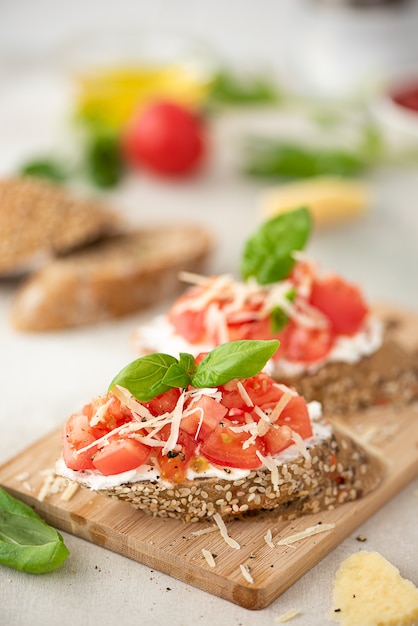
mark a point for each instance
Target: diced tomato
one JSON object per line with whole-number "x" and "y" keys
{"x": 188, "y": 324}
{"x": 207, "y": 413}
{"x": 341, "y": 302}
{"x": 306, "y": 345}
{"x": 224, "y": 447}
{"x": 260, "y": 388}
{"x": 173, "y": 465}
{"x": 120, "y": 455}
{"x": 76, "y": 435}
{"x": 294, "y": 417}
{"x": 277, "y": 438}
{"x": 164, "y": 403}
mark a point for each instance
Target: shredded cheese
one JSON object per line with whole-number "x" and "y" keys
{"x": 209, "y": 557}
{"x": 246, "y": 573}
{"x": 175, "y": 425}
{"x": 271, "y": 465}
{"x": 269, "y": 539}
{"x": 244, "y": 394}
{"x": 285, "y": 617}
{"x": 308, "y": 532}
{"x": 224, "y": 532}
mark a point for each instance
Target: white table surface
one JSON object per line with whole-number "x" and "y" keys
{"x": 44, "y": 377}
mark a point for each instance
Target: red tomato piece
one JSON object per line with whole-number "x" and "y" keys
{"x": 207, "y": 413}
{"x": 76, "y": 435}
{"x": 224, "y": 447}
{"x": 294, "y": 417}
{"x": 165, "y": 138}
{"x": 188, "y": 324}
{"x": 277, "y": 438}
{"x": 164, "y": 403}
{"x": 173, "y": 465}
{"x": 305, "y": 345}
{"x": 120, "y": 455}
{"x": 341, "y": 302}
{"x": 260, "y": 388}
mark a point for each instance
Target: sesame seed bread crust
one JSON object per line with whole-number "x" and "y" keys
{"x": 390, "y": 375}
{"x": 39, "y": 218}
{"x": 112, "y": 278}
{"x": 339, "y": 469}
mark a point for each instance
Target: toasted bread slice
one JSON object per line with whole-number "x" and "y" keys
{"x": 41, "y": 219}
{"x": 112, "y": 278}
{"x": 390, "y": 375}
{"x": 334, "y": 469}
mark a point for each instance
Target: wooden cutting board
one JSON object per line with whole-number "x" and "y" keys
{"x": 173, "y": 547}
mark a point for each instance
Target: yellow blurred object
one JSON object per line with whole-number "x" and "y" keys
{"x": 112, "y": 94}
{"x": 330, "y": 200}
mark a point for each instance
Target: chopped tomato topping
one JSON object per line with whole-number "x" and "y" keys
{"x": 204, "y": 415}
{"x": 341, "y": 302}
{"x": 224, "y": 447}
{"x": 121, "y": 454}
{"x": 164, "y": 403}
{"x": 173, "y": 464}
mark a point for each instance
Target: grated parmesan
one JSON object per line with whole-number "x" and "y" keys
{"x": 269, "y": 539}
{"x": 208, "y": 557}
{"x": 285, "y": 617}
{"x": 246, "y": 573}
{"x": 308, "y": 532}
{"x": 224, "y": 532}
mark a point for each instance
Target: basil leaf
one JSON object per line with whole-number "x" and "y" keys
{"x": 188, "y": 363}
{"x": 268, "y": 254}
{"x": 27, "y": 543}
{"x": 279, "y": 319}
{"x": 176, "y": 376}
{"x": 236, "y": 359}
{"x": 144, "y": 377}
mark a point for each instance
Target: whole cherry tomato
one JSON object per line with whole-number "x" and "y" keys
{"x": 165, "y": 138}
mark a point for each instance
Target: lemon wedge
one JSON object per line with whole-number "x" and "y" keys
{"x": 330, "y": 200}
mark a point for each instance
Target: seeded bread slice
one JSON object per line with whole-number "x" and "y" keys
{"x": 337, "y": 469}
{"x": 114, "y": 277}
{"x": 390, "y": 375}
{"x": 42, "y": 219}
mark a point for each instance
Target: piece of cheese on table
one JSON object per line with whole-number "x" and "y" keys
{"x": 369, "y": 591}
{"x": 330, "y": 200}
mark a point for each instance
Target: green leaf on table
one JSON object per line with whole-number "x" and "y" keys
{"x": 144, "y": 376}
{"x": 271, "y": 158}
{"x": 236, "y": 359}
{"x": 104, "y": 163}
{"x": 268, "y": 253}
{"x": 48, "y": 168}
{"x": 229, "y": 88}
{"x": 27, "y": 543}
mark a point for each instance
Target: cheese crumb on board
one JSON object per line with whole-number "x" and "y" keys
{"x": 308, "y": 532}
{"x": 246, "y": 573}
{"x": 285, "y": 617}
{"x": 330, "y": 200}
{"x": 369, "y": 591}
{"x": 208, "y": 557}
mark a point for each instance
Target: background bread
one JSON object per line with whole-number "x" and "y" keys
{"x": 338, "y": 470}
{"x": 390, "y": 375}
{"x": 114, "y": 277}
{"x": 39, "y": 218}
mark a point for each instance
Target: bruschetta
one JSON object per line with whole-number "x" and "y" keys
{"x": 333, "y": 347}
{"x": 188, "y": 438}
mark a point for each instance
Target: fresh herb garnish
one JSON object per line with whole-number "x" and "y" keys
{"x": 153, "y": 374}
{"x": 27, "y": 543}
{"x": 270, "y": 158}
{"x": 47, "y": 168}
{"x": 229, "y": 88}
{"x": 268, "y": 253}
{"x": 278, "y": 318}
{"x": 104, "y": 163}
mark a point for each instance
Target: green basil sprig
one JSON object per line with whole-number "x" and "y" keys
{"x": 268, "y": 253}
{"x": 27, "y": 543}
{"x": 153, "y": 374}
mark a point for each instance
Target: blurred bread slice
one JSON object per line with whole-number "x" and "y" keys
{"x": 39, "y": 219}
{"x": 330, "y": 200}
{"x": 111, "y": 278}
